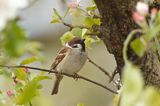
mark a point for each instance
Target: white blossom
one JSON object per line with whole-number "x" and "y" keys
{"x": 142, "y": 8}
{"x": 9, "y": 10}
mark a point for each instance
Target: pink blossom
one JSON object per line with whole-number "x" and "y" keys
{"x": 142, "y": 8}
{"x": 138, "y": 17}
{"x": 26, "y": 70}
{"x": 9, "y": 93}
{"x": 74, "y": 4}
{"x": 154, "y": 11}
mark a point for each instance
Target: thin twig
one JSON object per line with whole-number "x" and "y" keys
{"x": 114, "y": 74}
{"x": 67, "y": 24}
{"x": 66, "y": 74}
{"x": 73, "y": 26}
{"x": 30, "y": 104}
{"x": 104, "y": 71}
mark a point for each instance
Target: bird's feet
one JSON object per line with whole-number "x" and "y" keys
{"x": 50, "y": 71}
{"x": 59, "y": 73}
{"x": 75, "y": 76}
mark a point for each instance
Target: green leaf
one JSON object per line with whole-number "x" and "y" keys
{"x": 84, "y": 31}
{"x": 152, "y": 32}
{"x": 138, "y": 47}
{"x": 93, "y": 2}
{"x": 97, "y": 21}
{"x": 29, "y": 60}
{"x": 30, "y": 90}
{"x": 157, "y": 20}
{"x": 89, "y": 41}
{"x": 66, "y": 37}
{"x": 132, "y": 85}
{"x": 14, "y": 39}
{"x": 150, "y": 97}
{"x": 56, "y": 13}
{"x": 91, "y": 8}
{"x": 56, "y": 17}
{"x": 21, "y": 74}
{"x": 80, "y": 104}
{"x": 77, "y": 32}
{"x": 89, "y": 22}
{"x": 55, "y": 21}
{"x": 78, "y": 16}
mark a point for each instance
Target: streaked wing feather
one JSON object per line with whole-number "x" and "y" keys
{"x": 60, "y": 57}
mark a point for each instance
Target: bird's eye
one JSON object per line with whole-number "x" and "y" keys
{"x": 75, "y": 46}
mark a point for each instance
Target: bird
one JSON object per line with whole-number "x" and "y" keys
{"x": 70, "y": 59}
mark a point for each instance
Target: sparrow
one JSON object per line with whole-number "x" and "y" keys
{"x": 70, "y": 59}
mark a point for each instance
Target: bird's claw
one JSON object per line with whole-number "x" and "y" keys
{"x": 59, "y": 73}
{"x": 75, "y": 76}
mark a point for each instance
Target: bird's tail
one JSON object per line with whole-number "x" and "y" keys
{"x": 56, "y": 84}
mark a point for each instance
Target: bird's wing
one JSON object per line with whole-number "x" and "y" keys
{"x": 62, "y": 53}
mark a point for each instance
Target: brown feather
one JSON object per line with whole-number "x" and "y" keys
{"x": 60, "y": 56}
{"x": 56, "y": 84}
{"x": 58, "y": 59}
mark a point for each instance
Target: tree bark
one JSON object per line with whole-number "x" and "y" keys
{"x": 116, "y": 24}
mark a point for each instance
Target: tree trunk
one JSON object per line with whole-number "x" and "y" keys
{"x": 116, "y": 24}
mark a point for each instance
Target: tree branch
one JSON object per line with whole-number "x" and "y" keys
{"x": 30, "y": 104}
{"x": 104, "y": 71}
{"x": 66, "y": 74}
{"x": 73, "y": 26}
{"x": 67, "y": 24}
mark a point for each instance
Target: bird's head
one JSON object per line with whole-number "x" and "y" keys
{"x": 76, "y": 43}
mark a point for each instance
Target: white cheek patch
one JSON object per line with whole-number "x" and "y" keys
{"x": 79, "y": 46}
{"x": 67, "y": 45}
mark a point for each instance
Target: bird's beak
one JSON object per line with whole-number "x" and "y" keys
{"x": 82, "y": 40}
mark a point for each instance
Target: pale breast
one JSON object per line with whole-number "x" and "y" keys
{"x": 73, "y": 62}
